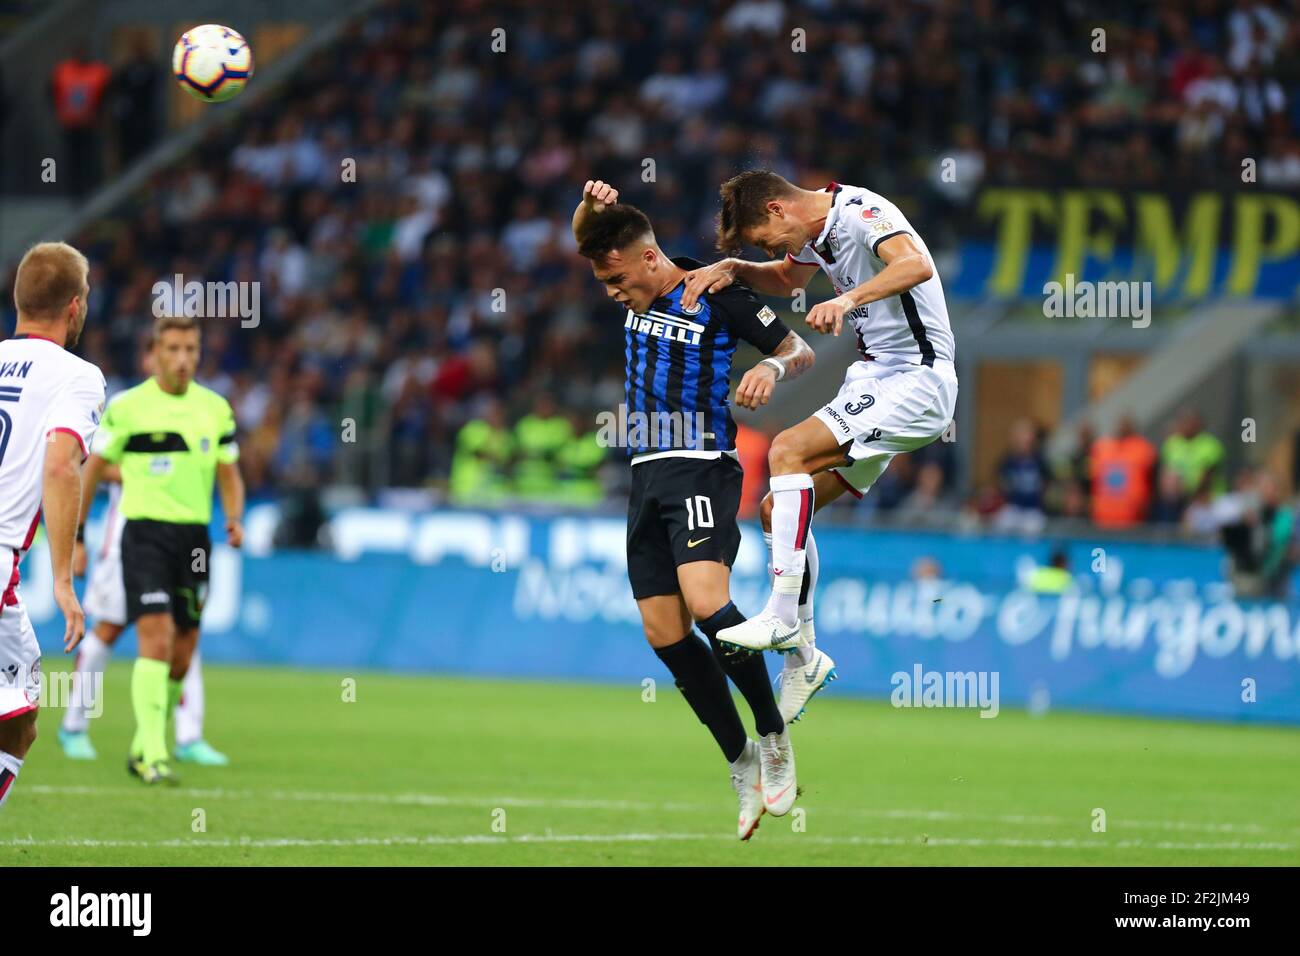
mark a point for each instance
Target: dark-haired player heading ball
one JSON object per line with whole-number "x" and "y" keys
{"x": 682, "y": 533}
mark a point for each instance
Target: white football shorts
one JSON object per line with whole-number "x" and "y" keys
{"x": 886, "y": 410}
{"x": 105, "y": 591}
{"x": 20, "y": 657}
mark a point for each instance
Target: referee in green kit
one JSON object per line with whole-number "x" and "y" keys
{"x": 172, "y": 439}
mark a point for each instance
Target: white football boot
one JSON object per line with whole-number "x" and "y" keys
{"x": 779, "y": 787}
{"x": 747, "y": 779}
{"x": 799, "y": 681}
{"x": 766, "y": 632}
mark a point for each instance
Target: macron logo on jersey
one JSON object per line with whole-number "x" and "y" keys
{"x": 659, "y": 324}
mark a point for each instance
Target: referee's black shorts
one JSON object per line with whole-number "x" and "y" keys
{"x": 680, "y": 510}
{"x": 165, "y": 569}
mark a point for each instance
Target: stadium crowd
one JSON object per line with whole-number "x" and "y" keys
{"x": 404, "y": 203}
{"x": 1120, "y": 482}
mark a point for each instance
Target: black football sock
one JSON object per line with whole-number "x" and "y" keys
{"x": 747, "y": 671}
{"x": 704, "y": 686}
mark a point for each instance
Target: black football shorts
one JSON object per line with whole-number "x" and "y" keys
{"x": 680, "y": 510}
{"x": 165, "y": 569}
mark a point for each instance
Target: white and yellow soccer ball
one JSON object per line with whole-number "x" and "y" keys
{"x": 212, "y": 62}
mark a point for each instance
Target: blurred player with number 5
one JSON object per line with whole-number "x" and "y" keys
{"x": 50, "y": 406}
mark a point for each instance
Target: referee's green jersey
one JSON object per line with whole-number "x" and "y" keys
{"x": 168, "y": 447}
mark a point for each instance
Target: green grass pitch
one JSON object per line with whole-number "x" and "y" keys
{"x": 428, "y": 770}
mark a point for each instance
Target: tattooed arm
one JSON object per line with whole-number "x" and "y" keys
{"x": 791, "y": 359}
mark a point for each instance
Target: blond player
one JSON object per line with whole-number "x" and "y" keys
{"x": 50, "y": 406}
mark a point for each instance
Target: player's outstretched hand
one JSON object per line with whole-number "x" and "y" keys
{"x": 828, "y": 316}
{"x": 79, "y": 559}
{"x": 598, "y": 194}
{"x": 755, "y": 388}
{"x": 235, "y": 533}
{"x": 75, "y": 619}
{"x": 709, "y": 279}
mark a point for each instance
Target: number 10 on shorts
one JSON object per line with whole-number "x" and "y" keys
{"x": 699, "y": 510}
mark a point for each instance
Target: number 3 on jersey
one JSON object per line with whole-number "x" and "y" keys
{"x": 699, "y": 509}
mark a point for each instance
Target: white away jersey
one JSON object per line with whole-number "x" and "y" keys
{"x": 911, "y": 328}
{"x": 44, "y": 388}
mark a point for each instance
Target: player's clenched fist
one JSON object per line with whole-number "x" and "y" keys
{"x": 755, "y": 388}
{"x": 828, "y": 316}
{"x": 598, "y": 194}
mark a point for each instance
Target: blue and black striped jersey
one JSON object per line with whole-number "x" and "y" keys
{"x": 679, "y": 364}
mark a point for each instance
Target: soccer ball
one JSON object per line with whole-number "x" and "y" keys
{"x": 212, "y": 62}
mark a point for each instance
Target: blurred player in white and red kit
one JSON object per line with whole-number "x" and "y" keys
{"x": 106, "y": 606}
{"x": 51, "y": 402}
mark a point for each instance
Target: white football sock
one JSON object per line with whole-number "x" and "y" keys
{"x": 808, "y": 647}
{"x": 189, "y": 711}
{"x": 92, "y": 658}
{"x": 804, "y": 656}
{"x": 9, "y": 767}
{"x": 792, "y": 509}
{"x": 747, "y": 756}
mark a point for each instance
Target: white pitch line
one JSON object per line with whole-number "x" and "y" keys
{"x": 440, "y": 800}
{"x": 932, "y": 842}
{"x": 276, "y": 842}
{"x": 1101, "y": 843}
{"x": 1020, "y": 818}
{"x": 387, "y": 799}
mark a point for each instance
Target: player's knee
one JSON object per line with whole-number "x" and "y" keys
{"x": 702, "y": 608}
{"x": 657, "y": 635}
{"x": 785, "y": 457}
{"x": 18, "y": 734}
{"x": 22, "y": 735}
{"x": 765, "y": 512}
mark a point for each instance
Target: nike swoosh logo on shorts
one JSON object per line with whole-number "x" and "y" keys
{"x": 691, "y": 544}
